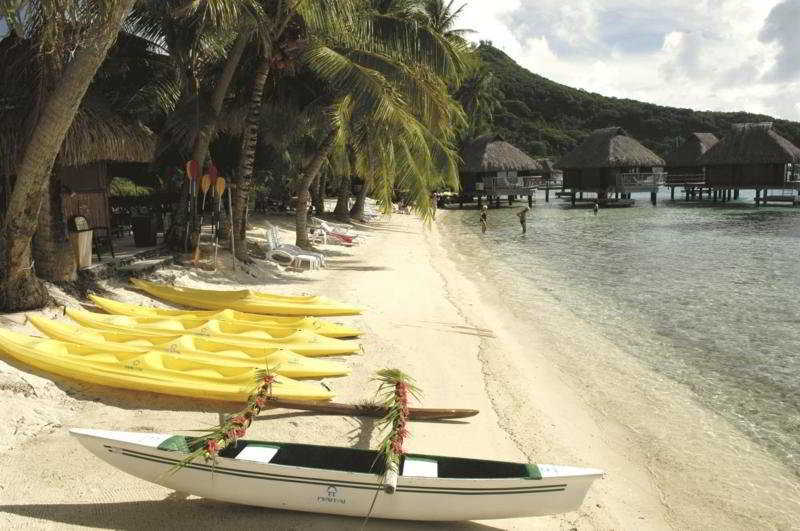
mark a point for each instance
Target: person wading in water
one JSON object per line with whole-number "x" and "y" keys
{"x": 483, "y": 219}
{"x": 523, "y": 218}
{"x": 596, "y": 207}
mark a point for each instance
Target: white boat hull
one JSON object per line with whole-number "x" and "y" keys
{"x": 235, "y": 480}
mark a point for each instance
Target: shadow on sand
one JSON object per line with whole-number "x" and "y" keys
{"x": 175, "y": 512}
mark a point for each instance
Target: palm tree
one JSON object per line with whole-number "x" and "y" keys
{"x": 442, "y": 18}
{"x": 390, "y": 78}
{"x": 52, "y": 25}
{"x": 480, "y": 97}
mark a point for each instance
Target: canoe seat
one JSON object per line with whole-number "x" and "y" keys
{"x": 421, "y": 468}
{"x": 260, "y": 453}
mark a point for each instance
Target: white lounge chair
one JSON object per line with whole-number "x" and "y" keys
{"x": 292, "y": 255}
{"x": 323, "y": 230}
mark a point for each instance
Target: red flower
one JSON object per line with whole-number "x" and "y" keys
{"x": 212, "y": 447}
{"x": 397, "y": 447}
{"x": 261, "y": 402}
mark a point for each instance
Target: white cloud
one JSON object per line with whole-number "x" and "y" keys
{"x": 725, "y": 55}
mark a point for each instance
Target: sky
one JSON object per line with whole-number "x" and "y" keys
{"x": 718, "y": 55}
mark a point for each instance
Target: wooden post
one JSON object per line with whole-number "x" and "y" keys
{"x": 581, "y": 195}
{"x": 716, "y": 193}
{"x": 547, "y": 191}
{"x": 758, "y": 196}
{"x": 530, "y": 200}
{"x": 736, "y": 194}
{"x": 480, "y": 200}
{"x": 510, "y": 200}
{"x": 672, "y": 193}
{"x": 653, "y": 197}
{"x": 573, "y": 198}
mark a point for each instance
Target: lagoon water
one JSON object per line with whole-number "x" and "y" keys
{"x": 706, "y": 295}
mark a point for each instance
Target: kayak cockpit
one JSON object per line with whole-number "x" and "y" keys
{"x": 359, "y": 461}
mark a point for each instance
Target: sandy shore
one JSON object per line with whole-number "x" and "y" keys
{"x": 423, "y": 315}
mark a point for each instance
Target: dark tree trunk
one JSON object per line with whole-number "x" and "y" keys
{"x": 242, "y": 181}
{"x": 203, "y": 140}
{"x": 52, "y": 252}
{"x": 342, "y": 210}
{"x": 19, "y": 287}
{"x": 357, "y": 212}
{"x": 318, "y": 195}
{"x": 306, "y": 178}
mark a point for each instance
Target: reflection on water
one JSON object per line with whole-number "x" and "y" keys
{"x": 704, "y": 294}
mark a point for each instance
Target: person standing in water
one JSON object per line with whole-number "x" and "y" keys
{"x": 523, "y": 218}
{"x": 596, "y": 207}
{"x": 483, "y": 219}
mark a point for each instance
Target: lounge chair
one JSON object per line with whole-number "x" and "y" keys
{"x": 323, "y": 230}
{"x": 292, "y": 255}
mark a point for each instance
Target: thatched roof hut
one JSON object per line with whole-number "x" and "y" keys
{"x": 687, "y": 155}
{"x": 755, "y": 143}
{"x": 491, "y": 153}
{"x": 751, "y": 155}
{"x": 99, "y": 131}
{"x": 610, "y": 147}
{"x": 497, "y": 167}
{"x": 597, "y": 162}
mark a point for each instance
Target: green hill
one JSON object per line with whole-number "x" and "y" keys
{"x": 546, "y": 118}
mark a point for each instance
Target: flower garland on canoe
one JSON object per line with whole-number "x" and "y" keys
{"x": 235, "y": 426}
{"x": 395, "y": 389}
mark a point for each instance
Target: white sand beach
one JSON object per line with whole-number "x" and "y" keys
{"x": 543, "y": 396}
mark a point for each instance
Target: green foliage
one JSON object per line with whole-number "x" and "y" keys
{"x": 124, "y": 187}
{"x": 536, "y": 112}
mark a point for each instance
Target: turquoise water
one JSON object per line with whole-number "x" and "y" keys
{"x": 704, "y": 294}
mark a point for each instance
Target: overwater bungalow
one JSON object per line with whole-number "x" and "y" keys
{"x": 609, "y": 161}
{"x": 683, "y": 164}
{"x": 493, "y": 168}
{"x": 753, "y": 156}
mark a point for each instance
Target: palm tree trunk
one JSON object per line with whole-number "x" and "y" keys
{"x": 242, "y": 180}
{"x": 19, "y": 287}
{"x": 203, "y": 140}
{"x": 307, "y": 177}
{"x": 342, "y": 210}
{"x": 318, "y": 195}
{"x": 52, "y": 252}
{"x": 357, "y": 212}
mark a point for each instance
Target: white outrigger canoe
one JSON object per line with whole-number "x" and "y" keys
{"x": 343, "y": 481}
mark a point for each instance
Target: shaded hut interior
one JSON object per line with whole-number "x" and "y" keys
{"x": 598, "y": 163}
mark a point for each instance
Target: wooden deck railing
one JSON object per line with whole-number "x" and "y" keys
{"x": 695, "y": 179}
{"x": 640, "y": 181}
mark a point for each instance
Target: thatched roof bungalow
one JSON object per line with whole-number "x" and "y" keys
{"x": 685, "y": 159}
{"x": 78, "y": 184}
{"x": 751, "y": 156}
{"x": 98, "y": 134}
{"x": 496, "y": 167}
{"x": 597, "y": 163}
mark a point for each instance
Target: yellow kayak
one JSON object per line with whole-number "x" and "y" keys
{"x": 235, "y": 335}
{"x": 271, "y": 323}
{"x": 246, "y": 300}
{"x": 279, "y": 360}
{"x": 155, "y": 371}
